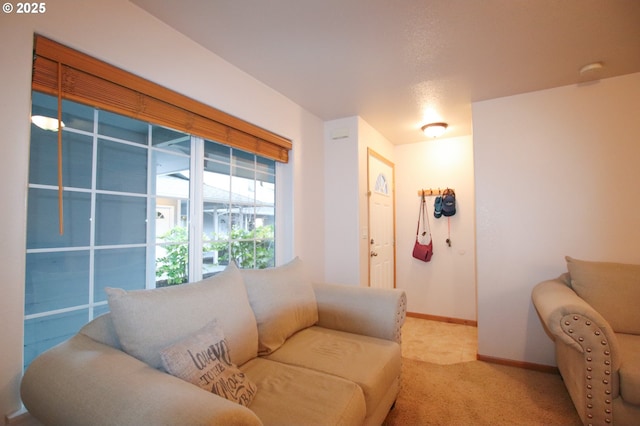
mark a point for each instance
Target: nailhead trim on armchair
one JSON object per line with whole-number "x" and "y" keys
{"x": 401, "y": 315}
{"x": 597, "y": 355}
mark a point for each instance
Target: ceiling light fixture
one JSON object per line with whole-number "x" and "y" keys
{"x": 433, "y": 130}
{"x": 46, "y": 123}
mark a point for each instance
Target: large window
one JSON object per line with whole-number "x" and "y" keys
{"x": 143, "y": 206}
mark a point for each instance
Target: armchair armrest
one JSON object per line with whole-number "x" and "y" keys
{"x": 368, "y": 311}
{"x": 572, "y": 320}
{"x": 587, "y": 349}
{"x": 82, "y": 382}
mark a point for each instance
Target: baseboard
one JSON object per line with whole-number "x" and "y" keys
{"x": 492, "y": 360}
{"x": 520, "y": 364}
{"x": 443, "y": 319}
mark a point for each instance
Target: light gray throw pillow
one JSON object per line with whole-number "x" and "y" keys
{"x": 147, "y": 321}
{"x": 283, "y": 301}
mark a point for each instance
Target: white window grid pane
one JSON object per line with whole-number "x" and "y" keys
{"x": 256, "y": 173}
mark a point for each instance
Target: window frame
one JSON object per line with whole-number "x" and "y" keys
{"x": 68, "y": 74}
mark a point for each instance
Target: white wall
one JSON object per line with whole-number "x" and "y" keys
{"x": 346, "y": 206}
{"x": 122, "y": 34}
{"x": 341, "y": 201}
{"x": 446, "y": 285}
{"x": 556, "y": 174}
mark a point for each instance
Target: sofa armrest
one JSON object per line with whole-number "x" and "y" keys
{"x": 368, "y": 311}
{"x": 572, "y": 320}
{"x": 587, "y": 349}
{"x": 82, "y": 382}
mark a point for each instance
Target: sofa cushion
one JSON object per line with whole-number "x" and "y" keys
{"x": 283, "y": 301}
{"x": 203, "y": 359}
{"x": 373, "y": 364}
{"x": 290, "y": 395}
{"x": 147, "y": 321}
{"x": 612, "y": 289}
{"x": 629, "y": 367}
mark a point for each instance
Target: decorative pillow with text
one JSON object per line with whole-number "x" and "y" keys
{"x": 203, "y": 359}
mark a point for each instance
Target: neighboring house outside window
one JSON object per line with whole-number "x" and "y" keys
{"x": 144, "y": 206}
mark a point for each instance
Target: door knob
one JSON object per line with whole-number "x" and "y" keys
{"x": 373, "y": 253}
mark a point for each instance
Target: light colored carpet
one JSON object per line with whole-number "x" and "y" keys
{"x": 479, "y": 393}
{"x": 438, "y": 342}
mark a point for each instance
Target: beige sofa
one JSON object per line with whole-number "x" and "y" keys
{"x": 593, "y": 315}
{"x": 305, "y": 354}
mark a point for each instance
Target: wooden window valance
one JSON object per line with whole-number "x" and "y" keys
{"x": 87, "y": 80}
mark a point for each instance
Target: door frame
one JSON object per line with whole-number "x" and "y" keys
{"x": 371, "y": 153}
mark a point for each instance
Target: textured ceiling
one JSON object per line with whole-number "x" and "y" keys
{"x": 399, "y": 64}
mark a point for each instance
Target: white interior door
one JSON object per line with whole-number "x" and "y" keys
{"x": 382, "y": 253}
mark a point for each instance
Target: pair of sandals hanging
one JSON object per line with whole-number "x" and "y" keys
{"x": 445, "y": 205}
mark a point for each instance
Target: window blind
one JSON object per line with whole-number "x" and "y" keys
{"x": 67, "y": 73}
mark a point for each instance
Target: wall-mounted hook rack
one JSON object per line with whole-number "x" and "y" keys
{"x": 429, "y": 192}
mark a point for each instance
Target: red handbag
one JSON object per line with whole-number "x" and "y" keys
{"x": 423, "y": 251}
